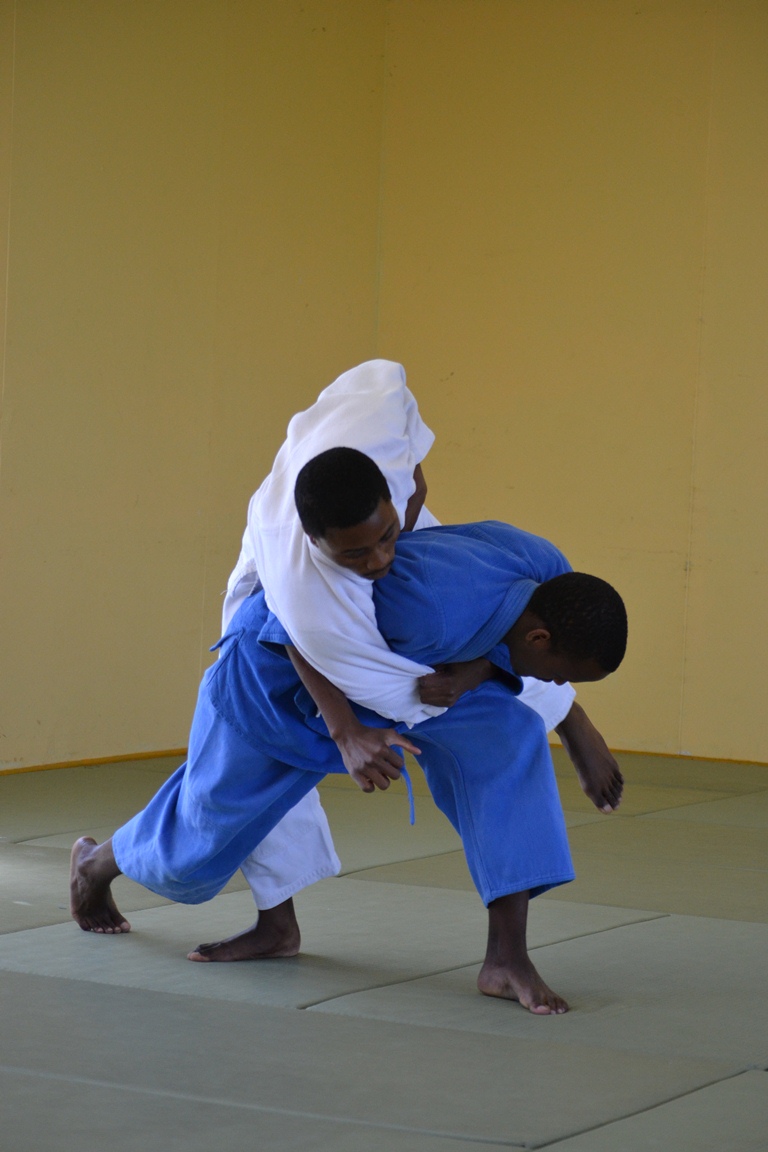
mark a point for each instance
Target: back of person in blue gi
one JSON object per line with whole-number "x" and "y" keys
{"x": 485, "y": 592}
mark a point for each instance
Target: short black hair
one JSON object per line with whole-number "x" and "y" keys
{"x": 585, "y": 617}
{"x": 338, "y": 489}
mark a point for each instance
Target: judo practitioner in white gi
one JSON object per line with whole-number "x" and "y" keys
{"x": 256, "y": 748}
{"x": 369, "y": 408}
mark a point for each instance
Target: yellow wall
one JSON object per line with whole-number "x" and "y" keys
{"x": 574, "y": 271}
{"x": 193, "y": 235}
{"x": 552, "y": 214}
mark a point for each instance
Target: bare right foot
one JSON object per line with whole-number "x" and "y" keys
{"x": 92, "y": 870}
{"x": 523, "y": 983}
{"x": 508, "y": 972}
{"x": 274, "y": 935}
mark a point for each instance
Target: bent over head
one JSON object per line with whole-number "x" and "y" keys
{"x": 585, "y": 617}
{"x": 574, "y": 628}
{"x": 345, "y": 507}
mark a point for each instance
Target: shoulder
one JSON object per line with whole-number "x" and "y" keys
{"x": 456, "y": 544}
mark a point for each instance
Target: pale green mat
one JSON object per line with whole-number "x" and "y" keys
{"x": 728, "y": 1117}
{"x": 675, "y": 985}
{"x": 90, "y": 1114}
{"x": 395, "y": 1050}
{"x": 45, "y": 1113}
{"x": 750, "y": 811}
{"x": 431, "y": 1080}
{"x": 355, "y": 936}
{"x": 687, "y": 867}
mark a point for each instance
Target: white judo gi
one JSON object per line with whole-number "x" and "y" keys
{"x": 328, "y": 611}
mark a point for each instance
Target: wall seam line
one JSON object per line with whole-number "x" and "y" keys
{"x": 381, "y": 178}
{"x": 705, "y": 248}
{"x": 7, "y": 273}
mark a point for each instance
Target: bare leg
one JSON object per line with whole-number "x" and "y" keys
{"x": 596, "y": 767}
{"x": 275, "y": 934}
{"x": 507, "y": 971}
{"x": 92, "y": 870}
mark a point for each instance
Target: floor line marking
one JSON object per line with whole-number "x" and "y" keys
{"x": 188, "y": 1097}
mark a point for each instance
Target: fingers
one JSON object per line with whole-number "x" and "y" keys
{"x": 441, "y": 689}
{"x": 379, "y": 763}
{"x": 369, "y": 779}
{"x": 404, "y": 742}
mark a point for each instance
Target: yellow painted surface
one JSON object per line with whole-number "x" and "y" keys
{"x": 545, "y": 210}
{"x": 552, "y": 214}
{"x": 727, "y": 623}
{"x": 574, "y": 194}
{"x": 7, "y": 31}
{"x": 194, "y": 207}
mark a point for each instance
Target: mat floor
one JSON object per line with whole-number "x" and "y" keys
{"x": 375, "y": 1038}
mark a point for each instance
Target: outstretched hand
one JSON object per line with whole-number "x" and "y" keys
{"x": 449, "y": 682}
{"x": 596, "y": 766}
{"x": 369, "y": 755}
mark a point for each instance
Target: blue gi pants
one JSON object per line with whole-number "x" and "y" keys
{"x": 486, "y": 760}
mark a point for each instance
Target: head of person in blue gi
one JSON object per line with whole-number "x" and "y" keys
{"x": 553, "y": 624}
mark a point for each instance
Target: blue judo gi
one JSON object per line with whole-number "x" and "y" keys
{"x": 257, "y": 746}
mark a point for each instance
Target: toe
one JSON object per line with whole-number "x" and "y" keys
{"x": 198, "y": 957}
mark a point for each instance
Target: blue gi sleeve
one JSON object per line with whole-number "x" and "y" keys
{"x": 273, "y": 636}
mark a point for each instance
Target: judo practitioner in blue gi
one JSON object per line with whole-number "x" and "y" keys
{"x": 474, "y": 593}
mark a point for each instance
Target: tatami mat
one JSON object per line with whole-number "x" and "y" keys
{"x": 655, "y": 770}
{"x": 44, "y": 803}
{"x": 661, "y": 866}
{"x": 446, "y": 871}
{"x": 87, "y": 1114}
{"x": 354, "y": 936}
{"x": 672, "y": 866}
{"x": 375, "y": 1038}
{"x": 431, "y": 1080}
{"x": 637, "y": 799}
{"x": 728, "y": 1117}
{"x": 675, "y": 842}
{"x": 676, "y": 985}
{"x": 750, "y": 811}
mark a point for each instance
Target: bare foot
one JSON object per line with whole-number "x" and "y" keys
{"x": 92, "y": 870}
{"x": 521, "y": 983}
{"x": 596, "y": 767}
{"x": 275, "y": 934}
{"x": 507, "y": 971}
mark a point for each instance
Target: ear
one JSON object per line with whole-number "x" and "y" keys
{"x": 540, "y": 638}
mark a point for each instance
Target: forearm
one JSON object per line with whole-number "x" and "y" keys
{"x": 596, "y": 767}
{"x": 416, "y": 502}
{"x": 571, "y": 726}
{"x": 331, "y": 702}
{"x": 367, "y": 753}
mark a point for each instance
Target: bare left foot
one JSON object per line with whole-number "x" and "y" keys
{"x": 274, "y": 935}
{"x": 522, "y": 983}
